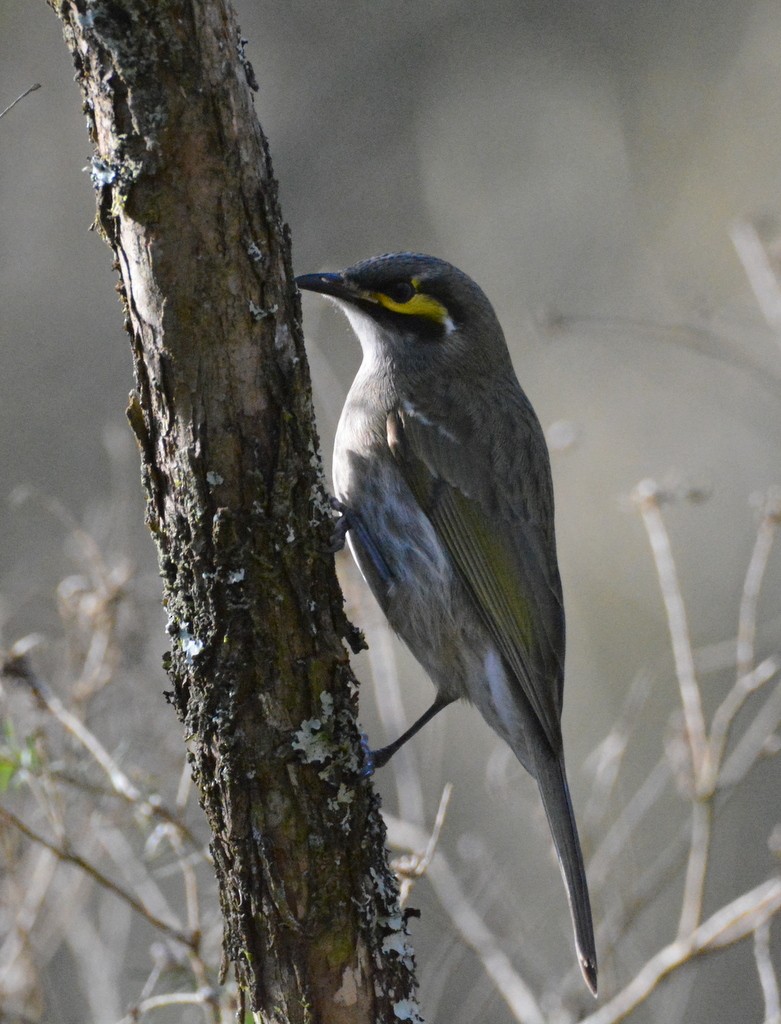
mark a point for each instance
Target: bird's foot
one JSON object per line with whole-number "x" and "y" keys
{"x": 341, "y": 526}
{"x": 351, "y": 520}
{"x": 368, "y": 758}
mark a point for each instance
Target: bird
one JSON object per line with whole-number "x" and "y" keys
{"x": 442, "y": 477}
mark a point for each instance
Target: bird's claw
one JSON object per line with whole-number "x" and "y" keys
{"x": 351, "y": 520}
{"x": 341, "y": 526}
{"x": 368, "y": 758}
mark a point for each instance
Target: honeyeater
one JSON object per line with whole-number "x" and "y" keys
{"x": 443, "y": 479}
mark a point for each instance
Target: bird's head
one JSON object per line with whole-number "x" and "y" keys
{"x": 416, "y": 314}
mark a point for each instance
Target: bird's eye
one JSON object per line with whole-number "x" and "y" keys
{"x": 400, "y": 292}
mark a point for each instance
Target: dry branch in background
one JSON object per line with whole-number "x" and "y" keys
{"x": 104, "y": 838}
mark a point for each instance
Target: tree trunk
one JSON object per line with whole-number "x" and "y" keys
{"x": 223, "y": 416}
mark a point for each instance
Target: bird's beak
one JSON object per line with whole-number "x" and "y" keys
{"x": 334, "y": 285}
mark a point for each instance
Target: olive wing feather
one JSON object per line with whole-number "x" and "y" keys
{"x": 499, "y": 535}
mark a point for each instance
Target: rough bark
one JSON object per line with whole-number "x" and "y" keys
{"x": 223, "y": 416}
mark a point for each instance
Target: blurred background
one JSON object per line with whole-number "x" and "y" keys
{"x": 605, "y": 171}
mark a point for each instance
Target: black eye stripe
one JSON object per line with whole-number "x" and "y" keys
{"x": 401, "y": 291}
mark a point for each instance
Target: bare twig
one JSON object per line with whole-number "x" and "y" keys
{"x": 94, "y": 598}
{"x": 614, "y": 842}
{"x": 761, "y": 275}
{"x": 202, "y": 997}
{"x": 17, "y": 941}
{"x": 628, "y": 906}
{"x": 747, "y": 618}
{"x": 135, "y": 871}
{"x": 699, "y": 338}
{"x": 146, "y": 886}
{"x": 752, "y": 743}
{"x": 647, "y": 496}
{"x": 20, "y": 669}
{"x": 727, "y": 711}
{"x": 473, "y": 930}
{"x": 606, "y": 759}
{"x": 89, "y": 546}
{"x": 767, "y": 975}
{"x": 98, "y": 955}
{"x": 706, "y": 754}
{"x": 184, "y": 788}
{"x": 192, "y": 903}
{"x": 18, "y": 99}
{"x": 413, "y": 866}
{"x": 189, "y": 881}
{"x": 696, "y": 866}
{"x": 69, "y": 857}
{"x": 734, "y": 922}
{"x": 150, "y": 805}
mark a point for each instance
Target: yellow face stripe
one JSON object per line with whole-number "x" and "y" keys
{"x": 418, "y": 305}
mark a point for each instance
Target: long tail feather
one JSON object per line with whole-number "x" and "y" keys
{"x": 552, "y": 780}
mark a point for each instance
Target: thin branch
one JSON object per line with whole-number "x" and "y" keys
{"x": 753, "y": 741}
{"x": 761, "y": 275}
{"x": 189, "y": 882}
{"x": 413, "y": 866}
{"x": 617, "y": 919}
{"x": 666, "y": 867}
{"x": 73, "y": 858}
{"x": 614, "y": 842}
{"x": 747, "y": 618}
{"x": 470, "y": 926}
{"x": 728, "y": 710}
{"x": 734, "y": 922}
{"x": 439, "y": 821}
{"x": 93, "y": 556}
{"x": 738, "y": 919}
{"x": 647, "y": 497}
{"x": 767, "y": 974}
{"x": 135, "y": 872}
{"x": 36, "y": 888}
{"x": 152, "y": 979}
{"x": 18, "y": 99}
{"x": 606, "y": 759}
{"x": 200, "y": 998}
{"x": 696, "y": 866}
{"x": 17, "y": 666}
{"x": 192, "y": 903}
{"x": 700, "y": 339}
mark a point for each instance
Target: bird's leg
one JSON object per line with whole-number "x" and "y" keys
{"x": 378, "y": 758}
{"x": 349, "y": 519}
